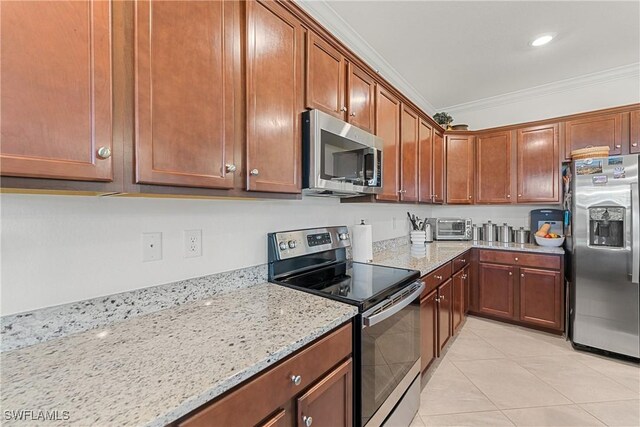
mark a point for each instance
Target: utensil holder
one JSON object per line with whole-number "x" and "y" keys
{"x": 418, "y": 237}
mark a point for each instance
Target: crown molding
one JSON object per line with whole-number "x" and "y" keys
{"x": 593, "y": 79}
{"x": 333, "y": 22}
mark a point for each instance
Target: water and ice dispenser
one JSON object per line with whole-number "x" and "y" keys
{"x": 606, "y": 226}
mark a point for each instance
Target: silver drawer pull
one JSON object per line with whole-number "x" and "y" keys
{"x": 438, "y": 277}
{"x": 104, "y": 152}
{"x": 296, "y": 379}
{"x": 307, "y": 420}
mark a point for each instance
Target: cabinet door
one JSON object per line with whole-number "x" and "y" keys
{"x": 496, "y": 287}
{"x": 274, "y": 98}
{"x": 425, "y": 162}
{"x": 280, "y": 419}
{"x": 467, "y": 288}
{"x": 541, "y": 297}
{"x": 388, "y": 128}
{"x": 325, "y": 77}
{"x": 460, "y": 169}
{"x": 594, "y": 131}
{"x": 634, "y": 141}
{"x": 409, "y": 155}
{"x": 538, "y": 164}
{"x": 429, "y": 329}
{"x": 445, "y": 304}
{"x": 56, "y": 118}
{"x": 458, "y": 299}
{"x": 493, "y": 166}
{"x": 361, "y": 100}
{"x": 438, "y": 167}
{"x": 184, "y": 97}
{"x": 328, "y": 402}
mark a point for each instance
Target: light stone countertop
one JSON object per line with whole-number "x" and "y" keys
{"x": 153, "y": 369}
{"x": 439, "y": 253}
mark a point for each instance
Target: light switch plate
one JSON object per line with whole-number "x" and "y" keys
{"x": 151, "y": 246}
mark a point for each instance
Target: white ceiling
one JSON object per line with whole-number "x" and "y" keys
{"x": 455, "y": 52}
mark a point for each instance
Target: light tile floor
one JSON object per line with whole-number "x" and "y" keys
{"x": 495, "y": 374}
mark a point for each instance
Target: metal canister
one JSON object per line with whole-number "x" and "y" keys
{"x": 476, "y": 233}
{"x": 489, "y": 232}
{"x": 504, "y": 233}
{"x": 521, "y": 235}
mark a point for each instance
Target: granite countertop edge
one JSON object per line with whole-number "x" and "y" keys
{"x": 271, "y": 360}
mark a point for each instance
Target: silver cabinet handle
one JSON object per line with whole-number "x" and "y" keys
{"x": 437, "y": 299}
{"x": 343, "y": 109}
{"x": 230, "y": 168}
{"x": 442, "y": 297}
{"x": 618, "y": 146}
{"x": 402, "y": 191}
{"x": 516, "y": 259}
{"x": 469, "y": 197}
{"x": 510, "y": 273}
{"x": 296, "y": 379}
{"x": 635, "y": 239}
{"x": 635, "y": 144}
{"x": 508, "y": 196}
{"x": 521, "y": 274}
{"x": 352, "y": 114}
{"x": 254, "y": 172}
{"x": 519, "y": 195}
{"x": 463, "y": 260}
{"x": 307, "y": 420}
{"x": 464, "y": 276}
{"x": 104, "y": 152}
{"x": 438, "y": 277}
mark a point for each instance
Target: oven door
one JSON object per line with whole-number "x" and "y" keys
{"x": 451, "y": 229}
{"x": 390, "y": 351}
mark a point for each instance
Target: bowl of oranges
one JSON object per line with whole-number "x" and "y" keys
{"x": 550, "y": 239}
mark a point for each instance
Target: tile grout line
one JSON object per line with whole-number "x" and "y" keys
{"x": 610, "y": 401}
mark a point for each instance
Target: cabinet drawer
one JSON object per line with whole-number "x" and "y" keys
{"x": 551, "y": 262}
{"x": 435, "y": 278}
{"x": 275, "y": 387}
{"x": 461, "y": 261}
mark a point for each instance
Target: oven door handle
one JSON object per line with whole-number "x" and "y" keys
{"x": 395, "y": 308}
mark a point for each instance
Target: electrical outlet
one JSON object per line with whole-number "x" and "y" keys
{"x": 151, "y": 246}
{"x": 192, "y": 243}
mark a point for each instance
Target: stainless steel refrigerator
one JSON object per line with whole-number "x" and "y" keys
{"x": 605, "y": 255}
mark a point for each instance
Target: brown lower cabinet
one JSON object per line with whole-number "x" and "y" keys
{"x": 460, "y": 280}
{"x": 313, "y": 386}
{"x": 429, "y": 329}
{"x": 522, "y": 288}
{"x": 445, "y": 304}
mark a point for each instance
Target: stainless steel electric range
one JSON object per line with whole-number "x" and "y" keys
{"x": 386, "y": 345}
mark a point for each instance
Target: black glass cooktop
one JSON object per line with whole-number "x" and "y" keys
{"x": 354, "y": 283}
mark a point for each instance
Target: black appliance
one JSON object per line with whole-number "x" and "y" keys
{"x": 386, "y": 340}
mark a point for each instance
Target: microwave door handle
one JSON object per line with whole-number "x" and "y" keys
{"x": 635, "y": 233}
{"x": 375, "y": 167}
{"x": 377, "y": 318}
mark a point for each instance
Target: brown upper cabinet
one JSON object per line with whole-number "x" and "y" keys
{"x": 388, "y": 128}
{"x": 425, "y": 162}
{"x": 409, "y": 121}
{"x": 184, "y": 100}
{"x": 361, "y": 98}
{"x": 493, "y": 166}
{"x": 634, "y": 137}
{"x": 275, "y": 52}
{"x": 538, "y": 164}
{"x": 460, "y": 170}
{"x": 56, "y": 80}
{"x": 439, "y": 167}
{"x": 605, "y": 129}
{"x": 351, "y": 99}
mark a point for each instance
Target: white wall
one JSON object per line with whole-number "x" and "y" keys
{"x": 60, "y": 249}
{"x": 607, "y": 94}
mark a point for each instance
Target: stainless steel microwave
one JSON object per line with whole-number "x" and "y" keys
{"x": 451, "y": 228}
{"x": 339, "y": 159}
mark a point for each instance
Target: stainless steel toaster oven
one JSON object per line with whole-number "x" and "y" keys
{"x": 451, "y": 228}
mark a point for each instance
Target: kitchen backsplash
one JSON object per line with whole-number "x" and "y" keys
{"x": 516, "y": 216}
{"x": 61, "y": 249}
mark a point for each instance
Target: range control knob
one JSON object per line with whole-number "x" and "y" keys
{"x": 283, "y": 246}
{"x": 292, "y": 244}
{"x": 343, "y": 236}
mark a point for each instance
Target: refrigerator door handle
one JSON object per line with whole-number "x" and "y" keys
{"x": 635, "y": 233}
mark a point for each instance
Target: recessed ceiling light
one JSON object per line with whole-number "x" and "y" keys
{"x": 542, "y": 40}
